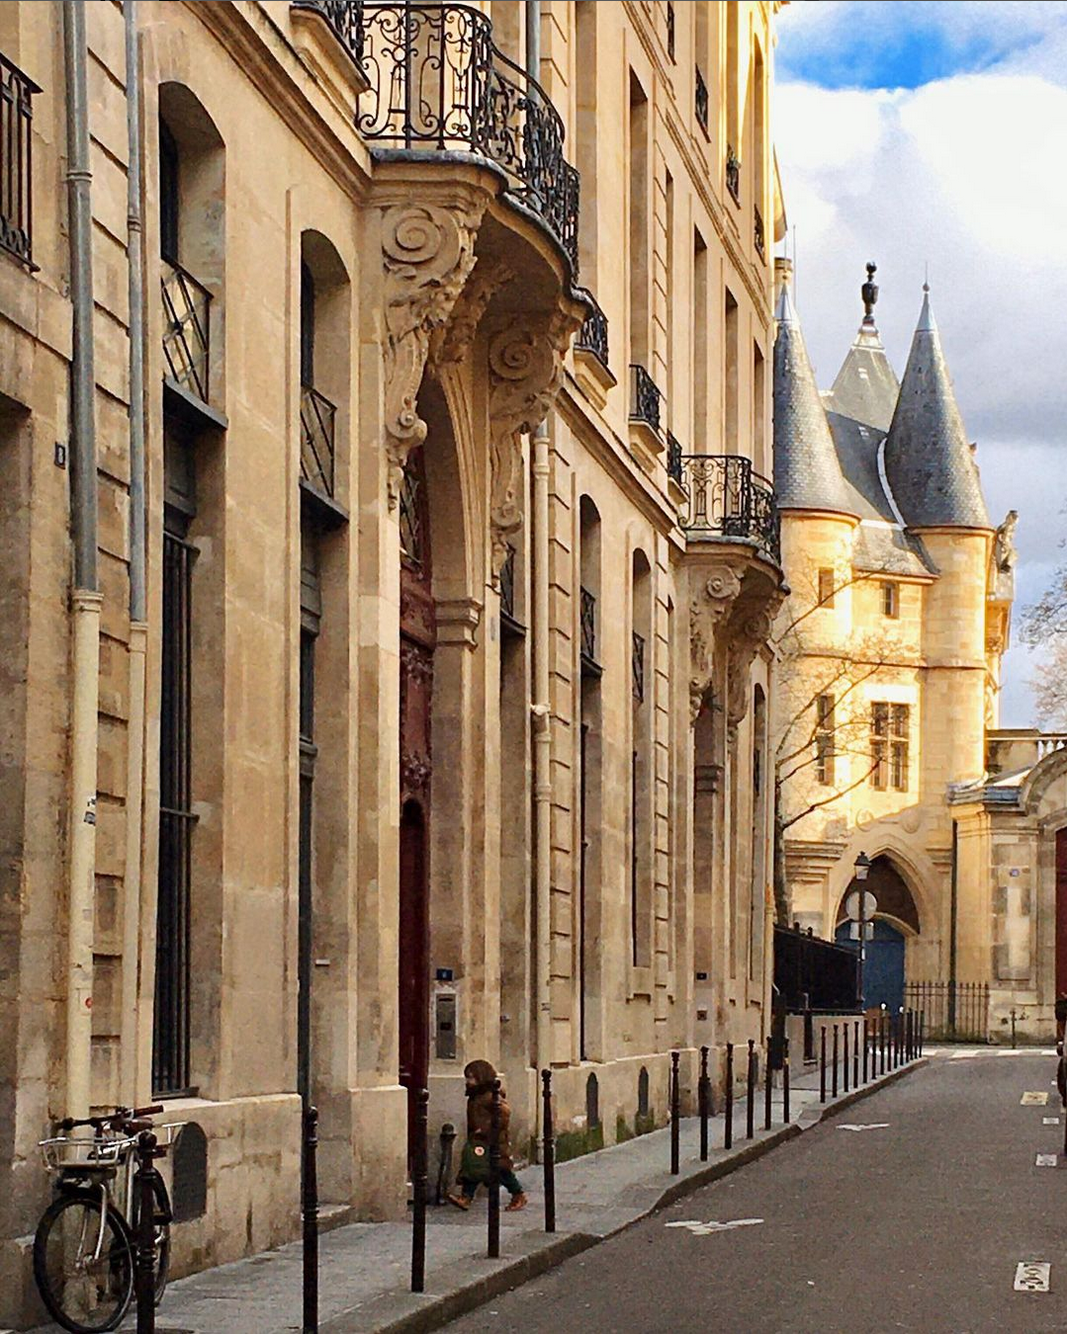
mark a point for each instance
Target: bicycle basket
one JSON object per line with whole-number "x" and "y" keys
{"x": 99, "y": 1154}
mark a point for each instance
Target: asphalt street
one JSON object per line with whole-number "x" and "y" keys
{"x": 917, "y": 1222}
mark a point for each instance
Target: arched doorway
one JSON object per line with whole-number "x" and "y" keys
{"x": 895, "y": 919}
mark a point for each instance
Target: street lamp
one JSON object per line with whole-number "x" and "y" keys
{"x": 862, "y": 869}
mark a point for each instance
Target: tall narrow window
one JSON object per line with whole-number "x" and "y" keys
{"x": 169, "y": 195}
{"x": 700, "y": 344}
{"x": 590, "y": 1012}
{"x": 824, "y": 739}
{"x": 730, "y": 372}
{"x": 759, "y": 411}
{"x": 585, "y": 138}
{"x": 826, "y": 588}
{"x": 310, "y": 614}
{"x": 890, "y": 725}
{"x": 890, "y": 600}
{"x": 641, "y": 771}
{"x": 307, "y": 328}
{"x": 757, "y": 900}
{"x": 732, "y": 58}
{"x": 669, "y": 278}
{"x": 639, "y": 220}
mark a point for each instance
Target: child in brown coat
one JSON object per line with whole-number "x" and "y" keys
{"x": 481, "y": 1077}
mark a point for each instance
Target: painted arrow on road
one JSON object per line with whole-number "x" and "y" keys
{"x": 700, "y": 1229}
{"x": 873, "y": 1125}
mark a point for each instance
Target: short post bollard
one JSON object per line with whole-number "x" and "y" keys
{"x": 704, "y": 1100}
{"x": 922, "y": 1031}
{"x": 844, "y": 1067}
{"x": 676, "y": 1114}
{"x": 822, "y": 1063}
{"x": 444, "y": 1164}
{"x": 548, "y": 1150}
{"x": 728, "y": 1127}
{"x": 767, "y": 1089}
{"x": 310, "y": 1209}
{"x": 493, "y": 1250}
{"x": 856, "y": 1054}
{"x": 145, "y": 1240}
{"x": 785, "y": 1081}
{"x": 881, "y": 1040}
{"x": 1013, "y": 1029}
{"x": 866, "y": 1048}
{"x": 833, "y": 1077}
{"x": 419, "y": 1186}
{"x": 911, "y": 1035}
{"x": 750, "y": 1108}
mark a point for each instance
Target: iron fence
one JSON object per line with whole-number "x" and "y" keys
{"x": 645, "y": 397}
{"x": 814, "y": 974}
{"x": 345, "y": 17}
{"x": 438, "y": 82}
{"x": 16, "y": 147}
{"x": 726, "y": 498}
{"x": 701, "y": 101}
{"x": 955, "y": 1011}
{"x": 186, "y": 335}
{"x": 317, "y": 451}
{"x": 733, "y": 174}
{"x": 593, "y": 335}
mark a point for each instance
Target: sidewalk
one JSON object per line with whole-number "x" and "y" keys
{"x": 364, "y": 1268}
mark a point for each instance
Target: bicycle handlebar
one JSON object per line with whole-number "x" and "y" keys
{"x": 118, "y": 1117}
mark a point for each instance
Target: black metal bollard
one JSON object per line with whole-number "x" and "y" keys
{"x": 844, "y": 1068}
{"x": 866, "y": 1048}
{"x": 704, "y": 1099}
{"x": 676, "y": 1114}
{"x": 419, "y": 1187}
{"x": 548, "y": 1150}
{"x": 493, "y": 1250}
{"x": 881, "y": 1039}
{"x": 856, "y": 1054}
{"x": 911, "y": 1035}
{"x": 444, "y": 1163}
{"x": 750, "y": 1105}
{"x": 145, "y": 1240}
{"x": 728, "y": 1127}
{"x": 767, "y": 1089}
{"x": 833, "y": 1079}
{"x": 310, "y": 1209}
{"x": 822, "y": 1063}
{"x": 922, "y": 1031}
{"x": 785, "y": 1081}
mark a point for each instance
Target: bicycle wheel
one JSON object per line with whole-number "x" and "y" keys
{"x": 85, "y": 1281}
{"x": 161, "y": 1219}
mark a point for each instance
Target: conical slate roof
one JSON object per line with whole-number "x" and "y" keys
{"x": 807, "y": 474}
{"x": 928, "y": 460}
{"x": 866, "y": 386}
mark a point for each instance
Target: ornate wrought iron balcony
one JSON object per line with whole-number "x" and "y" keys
{"x": 645, "y": 397}
{"x": 674, "y": 458}
{"x": 438, "y": 84}
{"x": 724, "y": 497}
{"x": 317, "y": 450}
{"x": 593, "y": 335}
{"x": 733, "y": 174}
{"x": 701, "y": 101}
{"x": 345, "y": 17}
{"x": 757, "y": 233}
{"x": 186, "y": 335}
{"x": 16, "y": 214}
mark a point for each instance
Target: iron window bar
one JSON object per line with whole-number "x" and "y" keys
{"x": 701, "y": 101}
{"x": 725, "y": 497}
{"x": 757, "y": 233}
{"x": 645, "y": 397}
{"x": 593, "y": 335}
{"x": 508, "y": 609}
{"x": 588, "y": 628}
{"x": 345, "y": 17}
{"x": 186, "y": 335}
{"x": 317, "y": 450}
{"x": 674, "y": 459}
{"x": 16, "y": 151}
{"x": 438, "y": 82}
{"x": 637, "y": 667}
{"x": 733, "y": 174}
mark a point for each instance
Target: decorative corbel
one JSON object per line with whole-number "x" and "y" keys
{"x": 707, "y": 611}
{"x": 428, "y": 253}
{"x": 451, "y": 343}
{"x": 525, "y": 369}
{"x": 751, "y": 635}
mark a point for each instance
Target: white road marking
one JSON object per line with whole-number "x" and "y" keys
{"x": 700, "y": 1229}
{"x": 1034, "y": 1099}
{"x": 1050, "y": 1120}
{"x": 874, "y": 1125}
{"x": 1045, "y": 1160}
{"x": 1031, "y": 1276}
{"x": 1012, "y": 1051}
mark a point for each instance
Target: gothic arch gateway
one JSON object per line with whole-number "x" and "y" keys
{"x": 896, "y": 918}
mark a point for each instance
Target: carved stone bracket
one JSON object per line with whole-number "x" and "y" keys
{"x": 450, "y": 344}
{"x": 525, "y": 369}
{"x": 718, "y": 588}
{"x": 748, "y": 633}
{"x": 428, "y": 253}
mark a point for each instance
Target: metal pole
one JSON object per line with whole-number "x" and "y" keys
{"x": 856, "y": 1054}
{"x": 310, "y": 1208}
{"x": 750, "y": 1105}
{"x": 419, "y": 1186}
{"x": 881, "y": 1041}
{"x": 1013, "y": 1029}
{"x": 676, "y": 1114}
{"x": 728, "y": 1128}
{"x": 785, "y": 1081}
{"x": 767, "y": 1089}
{"x": 844, "y": 1073}
{"x": 822, "y": 1063}
{"x": 444, "y": 1164}
{"x": 833, "y": 1091}
{"x": 145, "y": 1253}
{"x": 494, "y": 1173}
{"x": 704, "y": 1098}
{"x": 548, "y": 1150}
{"x": 866, "y": 1047}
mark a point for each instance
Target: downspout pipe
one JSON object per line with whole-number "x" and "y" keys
{"x": 86, "y": 599}
{"x": 135, "y": 732}
{"x": 542, "y": 748}
{"x": 533, "y": 38}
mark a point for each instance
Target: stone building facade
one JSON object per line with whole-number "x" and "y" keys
{"x": 890, "y": 647}
{"x": 390, "y": 566}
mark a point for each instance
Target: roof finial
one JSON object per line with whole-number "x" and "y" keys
{"x": 869, "y": 293}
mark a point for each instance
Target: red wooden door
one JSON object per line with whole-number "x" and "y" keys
{"x": 1061, "y": 912}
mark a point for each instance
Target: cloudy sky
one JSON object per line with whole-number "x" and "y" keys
{"x": 918, "y": 134}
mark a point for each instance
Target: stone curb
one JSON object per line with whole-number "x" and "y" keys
{"x": 385, "y": 1314}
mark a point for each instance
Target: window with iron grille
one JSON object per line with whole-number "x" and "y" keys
{"x": 16, "y": 151}
{"x": 638, "y": 667}
{"x": 588, "y": 627}
{"x": 410, "y": 516}
{"x": 889, "y": 745}
{"x": 824, "y": 739}
{"x": 826, "y": 588}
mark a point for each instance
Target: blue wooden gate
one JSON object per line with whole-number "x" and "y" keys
{"x": 883, "y": 970}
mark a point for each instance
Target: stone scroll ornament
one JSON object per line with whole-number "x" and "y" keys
{"x": 428, "y": 253}
{"x": 525, "y": 367}
{"x": 707, "y": 611}
{"x": 749, "y": 637}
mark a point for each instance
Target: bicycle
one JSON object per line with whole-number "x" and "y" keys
{"x": 85, "y": 1244}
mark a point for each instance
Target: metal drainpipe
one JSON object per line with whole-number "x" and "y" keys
{"x": 135, "y": 749}
{"x": 533, "y": 38}
{"x": 542, "y": 746}
{"x": 86, "y": 599}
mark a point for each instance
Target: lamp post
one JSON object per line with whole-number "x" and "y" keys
{"x": 861, "y": 868}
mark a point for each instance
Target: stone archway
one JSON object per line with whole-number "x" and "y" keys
{"x": 895, "y": 919}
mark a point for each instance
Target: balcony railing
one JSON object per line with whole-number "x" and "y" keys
{"x": 733, "y": 174}
{"x": 16, "y": 213}
{"x": 637, "y": 667}
{"x": 186, "y": 333}
{"x": 645, "y": 397}
{"x": 317, "y": 451}
{"x": 674, "y": 459}
{"x": 438, "y": 83}
{"x": 588, "y": 627}
{"x": 757, "y": 233}
{"x": 345, "y": 17}
{"x": 593, "y": 335}
{"x": 724, "y": 497}
{"x": 701, "y": 101}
